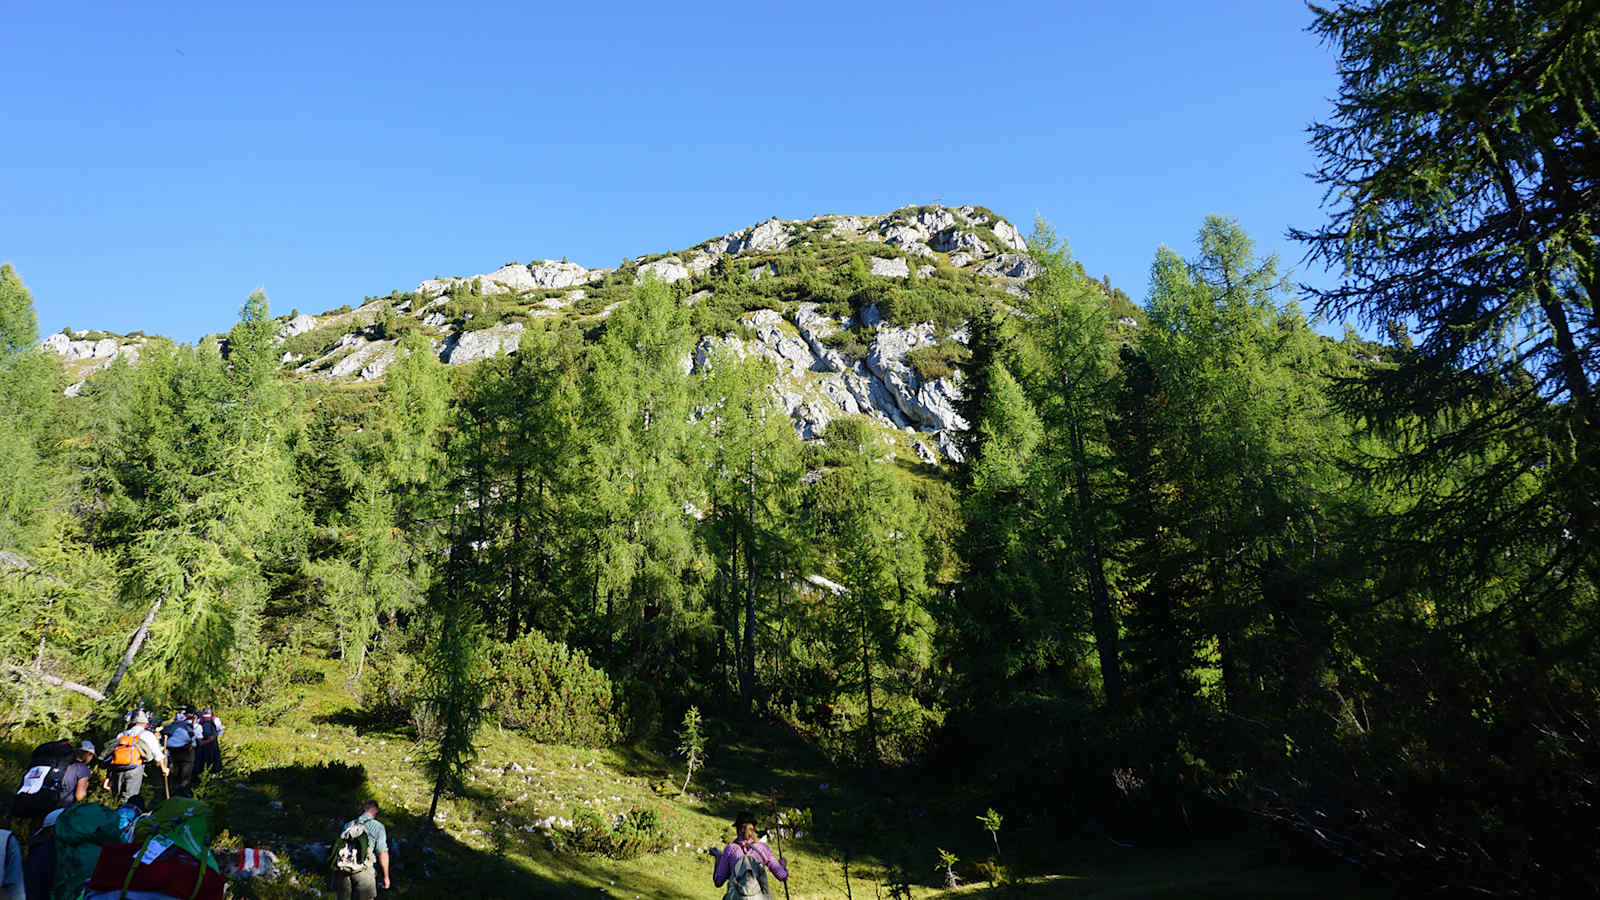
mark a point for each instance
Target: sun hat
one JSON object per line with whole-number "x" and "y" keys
{"x": 87, "y": 747}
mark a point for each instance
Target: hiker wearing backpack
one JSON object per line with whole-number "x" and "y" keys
{"x": 361, "y": 849}
{"x": 180, "y": 738}
{"x": 743, "y": 864}
{"x": 58, "y": 774}
{"x": 126, "y": 758}
{"x": 207, "y": 755}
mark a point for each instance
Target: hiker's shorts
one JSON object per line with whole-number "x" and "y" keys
{"x": 361, "y": 885}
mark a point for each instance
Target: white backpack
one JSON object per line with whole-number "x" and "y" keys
{"x": 749, "y": 879}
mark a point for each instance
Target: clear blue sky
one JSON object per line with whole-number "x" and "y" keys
{"x": 161, "y": 162}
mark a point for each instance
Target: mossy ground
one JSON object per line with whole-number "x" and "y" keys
{"x": 288, "y": 786}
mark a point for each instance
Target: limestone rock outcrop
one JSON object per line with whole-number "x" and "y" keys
{"x": 469, "y": 346}
{"x": 665, "y": 271}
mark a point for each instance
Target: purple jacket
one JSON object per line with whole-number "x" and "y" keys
{"x": 738, "y": 850}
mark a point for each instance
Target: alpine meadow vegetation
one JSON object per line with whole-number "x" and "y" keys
{"x": 1195, "y": 569}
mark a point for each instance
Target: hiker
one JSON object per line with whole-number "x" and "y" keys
{"x": 743, "y": 864}
{"x": 126, "y": 758}
{"x": 363, "y": 842}
{"x": 12, "y": 886}
{"x": 75, "y": 780}
{"x": 207, "y": 755}
{"x": 57, "y": 775}
{"x": 39, "y": 869}
{"x": 180, "y": 741}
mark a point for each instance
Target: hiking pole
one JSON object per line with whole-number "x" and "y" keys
{"x": 778, "y": 830}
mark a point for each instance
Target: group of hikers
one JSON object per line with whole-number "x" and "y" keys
{"x": 55, "y": 805}
{"x": 181, "y": 749}
{"x": 74, "y": 843}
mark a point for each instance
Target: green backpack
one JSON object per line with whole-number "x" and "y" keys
{"x": 352, "y": 852}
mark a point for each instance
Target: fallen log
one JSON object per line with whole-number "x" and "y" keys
{"x": 20, "y": 673}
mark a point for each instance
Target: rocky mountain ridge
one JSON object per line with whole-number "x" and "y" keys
{"x": 828, "y": 361}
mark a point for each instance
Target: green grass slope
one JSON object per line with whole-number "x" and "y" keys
{"x": 288, "y": 786}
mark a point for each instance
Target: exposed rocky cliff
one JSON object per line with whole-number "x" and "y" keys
{"x": 827, "y": 365}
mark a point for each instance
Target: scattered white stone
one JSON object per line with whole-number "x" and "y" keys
{"x": 893, "y": 268}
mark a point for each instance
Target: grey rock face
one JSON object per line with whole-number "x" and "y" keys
{"x": 893, "y": 268}
{"x": 509, "y": 279}
{"x": 937, "y": 218}
{"x": 814, "y": 327}
{"x": 1010, "y": 265}
{"x": 928, "y": 403}
{"x": 369, "y": 360}
{"x": 538, "y": 275}
{"x": 469, "y": 346}
{"x": 792, "y": 354}
{"x": 665, "y": 271}
{"x": 550, "y": 273}
{"x": 844, "y": 226}
{"x": 102, "y": 352}
{"x": 1009, "y": 235}
{"x": 904, "y": 234}
{"x": 769, "y": 235}
{"x": 378, "y": 363}
{"x": 73, "y": 350}
{"x": 960, "y": 259}
{"x": 298, "y": 325}
{"x": 952, "y": 239}
{"x": 817, "y": 384}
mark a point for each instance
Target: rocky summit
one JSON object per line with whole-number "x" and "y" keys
{"x": 835, "y": 303}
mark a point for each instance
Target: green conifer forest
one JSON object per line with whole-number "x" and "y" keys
{"x": 1194, "y": 569}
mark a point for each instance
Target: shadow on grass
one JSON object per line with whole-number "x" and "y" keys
{"x": 366, "y": 722}
{"x": 300, "y": 809}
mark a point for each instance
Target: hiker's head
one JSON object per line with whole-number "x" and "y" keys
{"x": 744, "y": 826}
{"x": 86, "y": 751}
{"x": 140, "y": 717}
{"x": 371, "y": 806}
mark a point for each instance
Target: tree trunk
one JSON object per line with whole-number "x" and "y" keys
{"x": 866, "y": 674}
{"x": 747, "y": 660}
{"x": 134, "y": 644}
{"x": 514, "y": 601}
{"x": 51, "y": 680}
{"x": 1103, "y": 616}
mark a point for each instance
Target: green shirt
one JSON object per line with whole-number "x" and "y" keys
{"x": 380, "y": 835}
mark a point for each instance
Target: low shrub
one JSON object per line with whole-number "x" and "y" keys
{"x": 938, "y": 360}
{"x": 316, "y": 342}
{"x": 387, "y": 689}
{"x": 623, "y": 836}
{"x": 550, "y": 692}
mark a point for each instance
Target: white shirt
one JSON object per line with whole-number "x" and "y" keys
{"x": 149, "y": 744}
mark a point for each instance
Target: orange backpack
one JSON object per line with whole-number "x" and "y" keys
{"x": 126, "y": 751}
